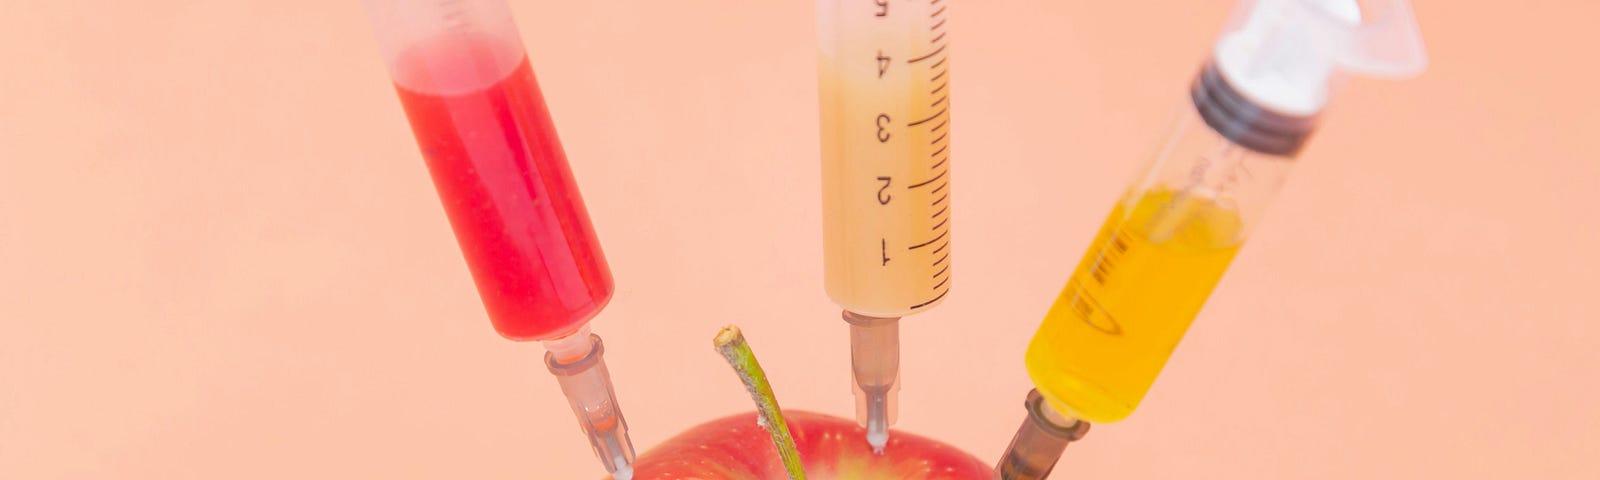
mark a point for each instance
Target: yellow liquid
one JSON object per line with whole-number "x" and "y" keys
{"x": 886, "y": 161}
{"x": 1129, "y": 303}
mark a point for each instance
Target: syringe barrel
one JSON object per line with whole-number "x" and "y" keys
{"x": 492, "y": 151}
{"x": 884, "y": 86}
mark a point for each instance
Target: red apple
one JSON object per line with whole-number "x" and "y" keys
{"x": 736, "y": 448}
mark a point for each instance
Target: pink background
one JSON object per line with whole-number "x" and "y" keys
{"x": 221, "y": 257}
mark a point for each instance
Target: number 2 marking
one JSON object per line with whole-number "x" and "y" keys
{"x": 883, "y": 192}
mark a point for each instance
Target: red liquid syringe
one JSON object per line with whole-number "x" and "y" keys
{"x": 491, "y": 148}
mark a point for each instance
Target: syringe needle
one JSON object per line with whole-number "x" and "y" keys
{"x": 875, "y": 366}
{"x": 877, "y": 420}
{"x": 578, "y": 362}
{"x": 1039, "y": 442}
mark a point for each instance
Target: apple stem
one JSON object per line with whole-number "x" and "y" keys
{"x": 731, "y": 344}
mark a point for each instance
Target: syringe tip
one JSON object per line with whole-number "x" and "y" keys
{"x": 878, "y": 440}
{"x": 621, "y": 467}
{"x": 623, "y": 473}
{"x": 874, "y": 405}
{"x": 615, "y": 450}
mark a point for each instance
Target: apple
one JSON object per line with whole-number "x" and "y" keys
{"x": 737, "y": 448}
{"x": 770, "y": 444}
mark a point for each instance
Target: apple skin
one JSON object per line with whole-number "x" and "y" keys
{"x": 736, "y": 448}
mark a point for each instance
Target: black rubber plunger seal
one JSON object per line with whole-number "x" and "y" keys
{"x": 1244, "y": 122}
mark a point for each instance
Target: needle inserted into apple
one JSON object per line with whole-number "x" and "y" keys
{"x": 773, "y": 443}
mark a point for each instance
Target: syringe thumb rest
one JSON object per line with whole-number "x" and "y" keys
{"x": 587, "y": 385}
{"x": 875, "y": 369}
{"x": 1039, "y": 442}
{"x": 1283, "y": 54}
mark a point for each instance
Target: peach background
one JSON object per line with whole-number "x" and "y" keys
{"x": 220, "y": 256}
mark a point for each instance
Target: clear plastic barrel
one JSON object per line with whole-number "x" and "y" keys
{"x": 884, "y": 81}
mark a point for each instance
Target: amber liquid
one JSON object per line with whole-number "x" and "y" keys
{"x": 1130, "y": 301}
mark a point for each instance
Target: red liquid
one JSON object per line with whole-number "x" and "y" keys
{"x": 503, "y": 178}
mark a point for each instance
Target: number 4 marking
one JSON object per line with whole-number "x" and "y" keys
{"x": 883, "y": 64}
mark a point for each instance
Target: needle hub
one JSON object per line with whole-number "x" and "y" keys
{"x": 1039, "y": 442}
{"x": 578, "y": 362}
{"x": 875, "y": 367}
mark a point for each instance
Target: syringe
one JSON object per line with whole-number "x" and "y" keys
{"x": 884, "y": 83}
{"x": 1168, "y": 241}
{"x": 486, "y": 135}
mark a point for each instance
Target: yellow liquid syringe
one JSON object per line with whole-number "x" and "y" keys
{"x": 1168, "y": 241}
{"x": 884, "y": 88}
